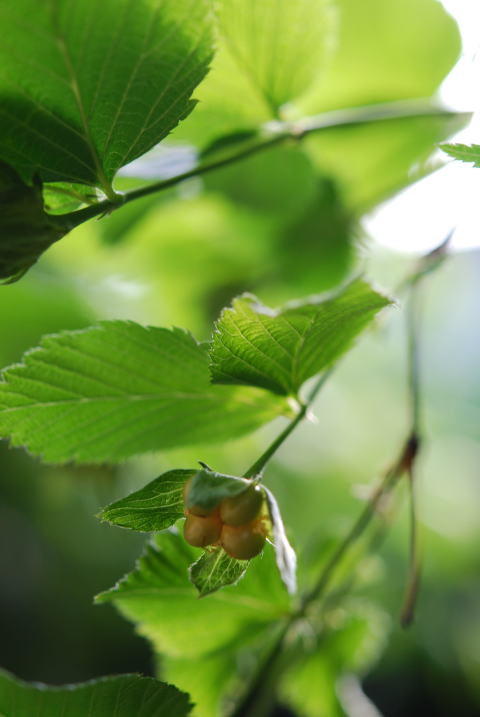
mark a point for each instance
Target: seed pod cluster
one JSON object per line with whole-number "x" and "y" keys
{"x": 235, "y": 523}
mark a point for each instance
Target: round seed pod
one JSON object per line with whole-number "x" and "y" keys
{"x": 202, "y": 531}
{"x": 243, "y": 542}
{"x": 195, "y": 509}
{"x": 242, "y": 509}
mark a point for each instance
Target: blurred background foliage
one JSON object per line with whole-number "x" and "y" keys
{"x": 283, "y": 224}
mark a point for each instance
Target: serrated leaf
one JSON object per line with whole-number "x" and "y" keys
{"x": 208, "y": 488}
{"x": 284, "y": 553}
{"x": 155, "y": 507}
{"x": 280, "y": 349}
{"x": 215, "y": 570}
{"x": 100, "y": 83}
{"x": 118, "y": 389}
{"x": 463, "y": 152}
{"x": 159, "y": 597}
{"x": 198, "y": 641}
{"x": 122, "y": 696}
{"x": 26, "y": 230}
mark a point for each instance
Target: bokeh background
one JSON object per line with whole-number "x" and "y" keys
{"x": 283, "y": 225}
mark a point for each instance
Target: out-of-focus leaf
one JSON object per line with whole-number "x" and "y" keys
{"x": 315, "y": 251}
{"x": 122, "y": 696}
{"x": 463, "y": 152}
{"x": 278, "y": 181}
{"x": 215, "y": 570}
{"x": 156, "y": 506}
{"x": 118, "y": 389}
{"x": 352, "y": 641}
{"x": 269, "y": 53}
{"x": 159, "y": 598}
{"x": 99, "y": 85}
{"x": 280, "y": 349}
{"x": 26, "y": 230}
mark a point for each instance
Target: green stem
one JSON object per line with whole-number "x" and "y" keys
{"x": 277, "y": 133}
{"x": 256, "y": 470}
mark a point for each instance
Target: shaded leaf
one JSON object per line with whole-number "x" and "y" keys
{"x": 122, "y": 696}
{"x": 26, "y": 230}
{"x": 118, "y": 389}
{"x": 208, "y": 488}
{"x": 464, "y": 152}
{"x": 100, "y": 83}
{"x": 214, "y": 570}
{"x": 280, "y": 349}
{"x": 155, "y": 507}
{"x": 284, "y": 553}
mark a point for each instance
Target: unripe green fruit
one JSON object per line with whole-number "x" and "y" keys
{"x": 243, "y": 508}
{"x": 200, "y": 532}
{"x": 195, "y": 509}
{"x": 243, "y": 542}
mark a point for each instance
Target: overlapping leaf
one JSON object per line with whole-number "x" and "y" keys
{"x": 199, "y": 637}
{"x": 118, "y": 389}
{"x": 25, "y": 228}
{"x": 122, "y": 696}
{"x": 215, "y": 570}
{"x": 85, "y": 87}
{"x": 280, "y": 349}
{"x": 156, "y": 506}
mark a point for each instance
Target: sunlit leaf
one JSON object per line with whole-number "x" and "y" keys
{"x": 86, "y": 87}
{"x": 215, "y": 570}
{"x": 280, "y": 349}
{"x": 118, "y": 389}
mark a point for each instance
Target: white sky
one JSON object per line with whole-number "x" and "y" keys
{"x": 418, "y": 218}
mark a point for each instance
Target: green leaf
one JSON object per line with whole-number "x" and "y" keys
{"x": 118, "y": 389}
{"x": 86, "y": 87}
{"x": 208, "y": 488}
{"x": 155, "y": 507}
{"x": 269, "y": 53}
{"x": 199, "y": 641}
{"x": 26, "y": 231}
{"x": 280, "y": 349}
{"x": 215, "y": 570}
{"x": 385, "y": 51}
{"x": 463, "y": 152}
{"x": 159, "y": 597}
{"x": 352, "y": 641}
{"x": 122, "y": 696}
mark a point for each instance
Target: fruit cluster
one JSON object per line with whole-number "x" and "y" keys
{"x": 236, "y": 524}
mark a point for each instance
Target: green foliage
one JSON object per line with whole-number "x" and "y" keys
{"x": 464, "y": 152}
{"x": 214, "y": 570}
{"x": 99, "y": 85}
{"x": 25, "y": 229}
{"x": 156, "y": 506}
{"x": 118, "y": 389}
{"x": 199, "y": 637}
{"x": 121, "y": 696}
{"x": 350, "y": 643}
{"x": 280, "y": 349}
